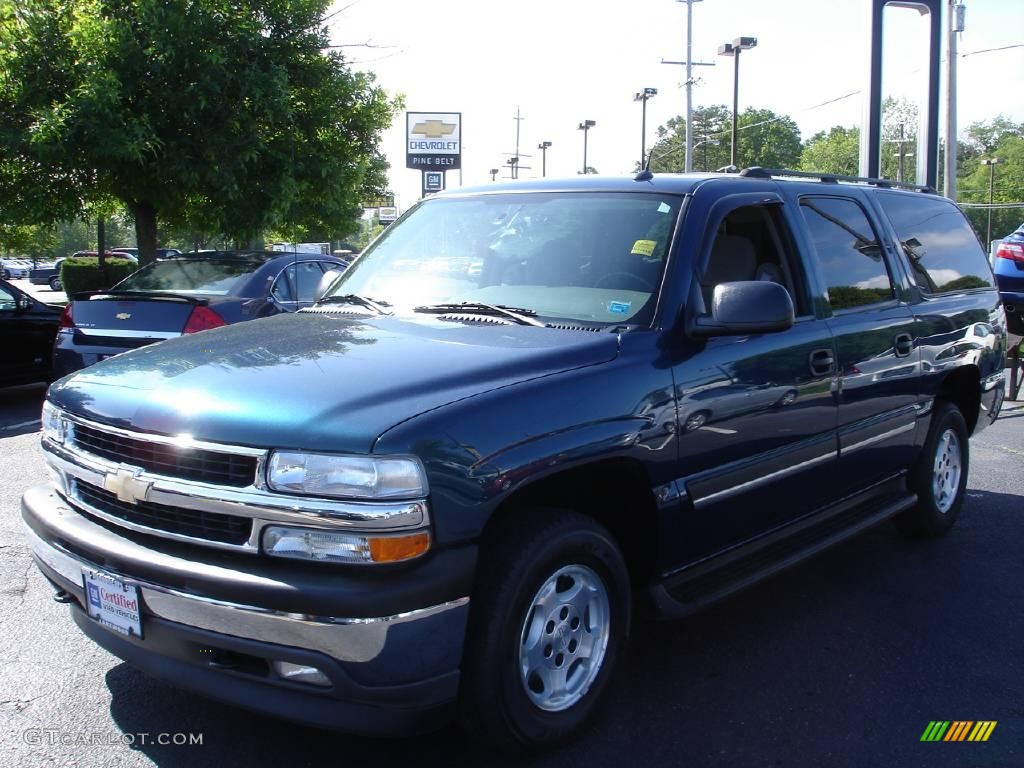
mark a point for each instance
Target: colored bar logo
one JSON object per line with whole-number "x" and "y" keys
{"x": 958, "y": 730}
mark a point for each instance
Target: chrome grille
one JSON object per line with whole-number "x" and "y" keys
{"x": 212, "y": 526}
{"x": 187, "y": 463}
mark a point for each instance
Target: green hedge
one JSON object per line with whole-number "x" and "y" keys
{"x": 84, "y": 274}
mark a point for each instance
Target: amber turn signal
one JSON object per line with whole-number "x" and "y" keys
{"x": 392, "y": 549}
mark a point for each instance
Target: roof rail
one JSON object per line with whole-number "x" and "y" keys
{"x": 756, "y": 172}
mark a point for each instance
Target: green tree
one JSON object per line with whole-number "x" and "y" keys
{"x": 1007, "y": 186}
{"x": 765, "y": 139}
{"x": 232, "y": 112}
{"x": 835, "y": 152}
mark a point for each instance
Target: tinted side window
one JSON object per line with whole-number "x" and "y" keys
{"x": 849, "y": 255}
{"x": 306, "y": 275}
{"x": 943, "y": 252}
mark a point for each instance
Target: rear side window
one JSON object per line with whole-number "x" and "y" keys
{"x": 943, "y": 251}
{"x": 849, "y": 255}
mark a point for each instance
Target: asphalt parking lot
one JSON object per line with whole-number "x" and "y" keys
{"x": 841, "y": 661}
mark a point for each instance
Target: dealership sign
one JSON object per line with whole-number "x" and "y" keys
{"x": 433, "y": 141}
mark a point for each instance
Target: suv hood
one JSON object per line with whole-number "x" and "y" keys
{"x": 317, "y": 381}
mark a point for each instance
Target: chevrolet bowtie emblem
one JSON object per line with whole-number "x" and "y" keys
{"x": 434, "y": 129}
{"x": 122, "y": 315}
{"x": 127, "y": 485}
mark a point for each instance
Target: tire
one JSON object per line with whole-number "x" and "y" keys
{"x": 537, "y": 661}
{"x": 940, "y": 476}
{"x": 55, "y": 284}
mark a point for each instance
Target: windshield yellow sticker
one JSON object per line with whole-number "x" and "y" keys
{"x": 644, "y": 248}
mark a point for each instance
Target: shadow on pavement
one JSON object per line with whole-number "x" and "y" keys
{"x": 842, "y": 660}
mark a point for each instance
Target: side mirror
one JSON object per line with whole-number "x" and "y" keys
{"x": 325, "y": 282}
{"x": 745, "y": 308}
{"x": 23, "y": 304}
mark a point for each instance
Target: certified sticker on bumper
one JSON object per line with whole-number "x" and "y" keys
{"x": 113, "y": 603}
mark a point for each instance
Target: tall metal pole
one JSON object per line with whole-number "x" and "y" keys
{"x": 643, "y": 132}
{"x": 586, "y": 130}
{"x": 956, "y": 25}
{"x": 688, "y": 161}
{"x": 991, "y": 190}
{"x": 735, "y": 104}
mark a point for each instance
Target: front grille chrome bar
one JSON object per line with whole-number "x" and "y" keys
{"x": 256, "y": 502}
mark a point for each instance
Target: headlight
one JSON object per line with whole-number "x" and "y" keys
{"x": 54, "y": 424}
{"x": 337, "y": 547}
{"x": 349, "y": 477}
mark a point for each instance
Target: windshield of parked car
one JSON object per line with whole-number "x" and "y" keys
{"x": 585, "y": 256}
{"x": 218, "y": 277}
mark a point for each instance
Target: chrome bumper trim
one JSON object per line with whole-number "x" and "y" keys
{"x": 346, "y": 639}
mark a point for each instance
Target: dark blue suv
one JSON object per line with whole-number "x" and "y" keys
{"x": 525, "y": 412}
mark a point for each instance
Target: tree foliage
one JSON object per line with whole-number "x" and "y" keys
{"x": 228, "y": 116}
{"x": 837, "y": 151}
{"x": 764, "y": 138}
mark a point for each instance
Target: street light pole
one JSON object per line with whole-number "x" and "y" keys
{"x": 991, "y": 163}
{"x": 543, "y": 147}
{"x": 642, "y": 97}
{"x": 585, "y": 126}
{"x": 733, "y": 49}
{"x": 494, "y": 173}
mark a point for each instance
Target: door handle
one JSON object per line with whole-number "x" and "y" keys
{"x": 903, "y": 344}
{"x": 823, "y": 362}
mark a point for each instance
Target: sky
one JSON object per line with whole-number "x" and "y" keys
{"x": 560, "y": 62}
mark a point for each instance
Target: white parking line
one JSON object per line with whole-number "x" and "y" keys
{"x": 720, "y": 430}
{"x": 20, "y": 425}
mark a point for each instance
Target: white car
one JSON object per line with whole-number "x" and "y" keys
{"x": 15, "y": 269}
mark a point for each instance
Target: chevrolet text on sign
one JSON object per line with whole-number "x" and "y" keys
{"x": 433, "y": 141}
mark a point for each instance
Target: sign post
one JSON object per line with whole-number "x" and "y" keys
{"x": 433, "y": 145}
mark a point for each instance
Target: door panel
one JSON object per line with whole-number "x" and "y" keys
{"x": 756, "y": 414}
{"x": 763, "y": 452}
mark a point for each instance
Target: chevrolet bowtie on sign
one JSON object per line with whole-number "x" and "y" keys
{"x": 433, "y": 141}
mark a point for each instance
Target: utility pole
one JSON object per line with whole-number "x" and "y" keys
{"x": 956, "y": 26}
{"x": 643, "y": 96}
{"x": 901, "y": 155}
{"x": 514, "y": 159}
{"x": 689, "y": 64}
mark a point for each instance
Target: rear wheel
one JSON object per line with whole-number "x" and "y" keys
{"x": 550, "y": 618}
{"x": 55, "y": 284}
{"x": 940, "y": 476}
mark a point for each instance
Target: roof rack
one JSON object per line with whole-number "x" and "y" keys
{"x": 756, "y": 172}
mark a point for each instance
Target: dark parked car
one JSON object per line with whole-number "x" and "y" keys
{"x": 446, "y": 489}
{"x": 27, "y": 327}
{"x": 161, "y": 253}
{"x": 1009, "y": 269}
{"x": 184, "y": 295}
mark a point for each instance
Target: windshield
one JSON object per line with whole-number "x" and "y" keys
{"x": 189, "y": 276}
{"x": 593, "y": 257}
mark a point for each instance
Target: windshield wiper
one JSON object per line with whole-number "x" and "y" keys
{"x": 521, "y": 316}
{"x": 363, "y": 301}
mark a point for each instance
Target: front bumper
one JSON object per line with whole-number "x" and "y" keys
{"x": 389, "y": 674}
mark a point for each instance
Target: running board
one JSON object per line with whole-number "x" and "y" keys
{"x": 699, "y": 586}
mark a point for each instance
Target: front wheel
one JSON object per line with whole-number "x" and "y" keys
{"x": 940, "y": 476}
{"x": 55, "y": 284}
{"x": 550, "y": 617}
